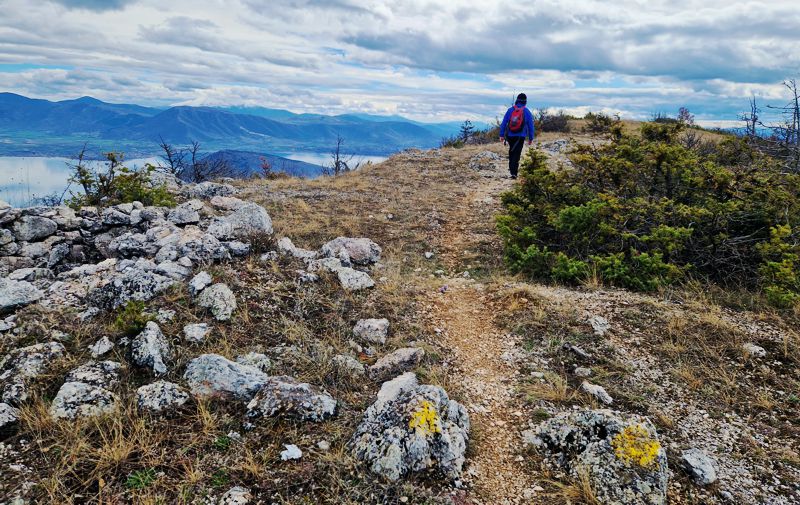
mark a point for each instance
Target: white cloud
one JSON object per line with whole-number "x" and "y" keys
{"x": 429, "y": 60}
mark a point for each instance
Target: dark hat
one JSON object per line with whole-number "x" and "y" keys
{"x": 522, "y": 97}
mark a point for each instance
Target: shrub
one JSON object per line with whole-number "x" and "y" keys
{"x": 132, "y": 319}
{"x": 116, "y": 184}
{"x": 601, "y": 123}
{"x": 645, "y": 211}
{"x": 546, "y": 122}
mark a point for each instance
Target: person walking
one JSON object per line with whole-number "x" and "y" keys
{"x": 517, "y": 124}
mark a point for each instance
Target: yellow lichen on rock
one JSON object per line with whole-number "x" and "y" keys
{"x": 425, "y": 419}
{"x": 635, "y": 445}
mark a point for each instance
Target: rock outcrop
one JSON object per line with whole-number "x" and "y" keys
{"x": 287, "y": 397}
{"x": 620, "y": 455}
{"x": 410, "y": 428}
{"x": 160, "y": 396}
{"x": 216, "y": 376}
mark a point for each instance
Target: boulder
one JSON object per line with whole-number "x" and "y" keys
{"x": 199, "y": 246}
{"x": 132, "y": 284}
{"x": 115, "y": 217}
{"x": 160, "y": 396}
{"x": 216, "y": 376}
{"x": 219, "y": 299}
{"x": 372, "y": 331}
{"x": 700, "y": 466}
{"x": 96, "y": 373}
{"x": 619, "y": 454}
{"x": 151, "y": 349}
{"x": 196, "y": 333}
{"x": 24, "y": 364}
{"x": 358, "y": 251}
{"x": 186, "y": 213}
{"x": 206, "y": 190}
{"x": 354, "y": 280}
{"x": 15, "y": 294}
{"x": 397, "y": 362}
{"x": 77, "y": 399}
{"x": 246, "y": 220}
{"x": 410, "y": 428}
{"x": 226, "y": 202}
{"x": 31, "y": 228}
{"x": 287, "y": 397}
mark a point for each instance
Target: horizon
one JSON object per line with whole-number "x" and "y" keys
{"x": 408, "y": 58}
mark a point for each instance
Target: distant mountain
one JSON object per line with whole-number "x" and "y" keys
{"x": 247, "y": 164}
{"x": 40, "y": 127}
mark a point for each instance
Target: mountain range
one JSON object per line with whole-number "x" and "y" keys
{"x": 36, "y": 127}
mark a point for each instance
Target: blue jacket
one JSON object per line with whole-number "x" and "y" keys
{"x": 527, "y": 128}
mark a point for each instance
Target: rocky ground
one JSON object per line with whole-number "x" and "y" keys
{"x": 358, "y": 340}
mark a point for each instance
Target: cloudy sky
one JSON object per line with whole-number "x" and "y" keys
{"x": 428, "y": 60}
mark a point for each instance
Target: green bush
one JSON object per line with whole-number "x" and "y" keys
{"x": 645, "y": 211}
{"x": 132, "y": 319}
{"x": 115, "y": 184}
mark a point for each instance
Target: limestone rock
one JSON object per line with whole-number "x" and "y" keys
{"x": 410, "y": 428}
{"x": 151, "y": 349}
{"x": 96, "y": 373}
{"x": 354, "y": 280}
{"x": 397, "y": 362}
{"x": 31, "y": 228}
{"x": 285, "y": 246}
{"x": 699, "y": 466}
{"x": 349, "y": 365}
{"x": 22, "y": 365}
{"x": 598, "y": 392}
{"x": 291, "y": 452}
{"x": 206, "y": 190}
{"x": 620, "y": 454}
{"x": 372, "y": 331}
{"x": 256, "y": 360}
{"x": 196, "y": 333}
{"x": 358, "y": 251}
{"x": 77, "y": 399}
{"x": 246, "y": 220}
{"x": 226, "y": 202}
{"x": 287, "y": 397}
{"x": 236, "y": 495}
{"x": 9, "y": 417}
{"x": 219, "y": 299}
{"x": 132, "y": 284}
{"x": 199, "y": 282}
{"x": 186, "y": 213}
{"x": 101, "y": 347}
{"x": 214, "y": 375}
{"x": 599, "y": 325}
{"x": 752, "y": 350}
{"x": 14, "y": 294}
{"x": 160, "y": 396}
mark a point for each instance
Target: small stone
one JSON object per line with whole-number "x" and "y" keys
{"x": 349, "y": 364}
{"x": 599, "y": 325}
{"x": 752, "y": 350}
{"x": 257, "y": 360}
{"x": 77, "y": 399}
{"x": 598, "y": 392}
{"x": 101, "y": 347}
{"x": 165, "y": 316}
{"x": 9, "y": 417}
{"x": 199, "y": 282}
{"x": 395, "y": 363}
{"x": 196, "y": 333}
{"x": 583, "y": 372}
{"x": 219, "y": 299}
{"x": 291, "y": 452}
{"x": 324, "y": 445}
{"x": 372, "y": 331}
{"x": 428, "y": 255}
{"x": 151, "y": 349}
{"x": 699, "y": 466}
{"x": 160, "y": 396}
{"x": 235, "y": 495}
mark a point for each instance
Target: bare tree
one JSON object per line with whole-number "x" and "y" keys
{"x": 340, "y": 161}
{"x": 685, "y": 117}
{"x": 751, "y": 119}
{"x": 266, "y": 168}
{"x": 188, "y": 164}
{"x": 784, "y": 143}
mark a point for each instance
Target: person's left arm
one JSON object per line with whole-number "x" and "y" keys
{"x": 531, "y": 125}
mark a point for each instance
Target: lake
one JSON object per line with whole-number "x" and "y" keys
{"x": 24, "y": 180}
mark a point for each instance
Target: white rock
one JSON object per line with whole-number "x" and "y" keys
{"x": 397, "y": 362}
{"x": 9, "y": 417}
{"x": 287, "y": 397}
{"x": 101, "y": 347}
{"x": 359, "y": 251}
{"x": 752, "y": 350}
{"x": 235, "y": 495}
{"x": 214, "y": 375}
{"x": 219, "y": 299}
{"x": 354, "y": 280}
{"x": 196, "y": 333}
{"x": 700, "y": 466}
{"x": 598, "y": 392}
{"x": 15, "y": 294}
{"x": 77, "y": 399}
{"x": 199, "y": 282}
{"x": 151, "y": 349}
{"x": 599, "y": 324}
{"x": 373, "y": 331}
{"x": 257, "y": 360}
{"x": 160, "y": 396}
{"x": 291, "y": 452}
{"x": 583, "y": 372}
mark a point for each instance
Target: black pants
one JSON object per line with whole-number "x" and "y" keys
{"x": 515, "y": 145}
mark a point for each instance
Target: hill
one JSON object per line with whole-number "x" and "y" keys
{"x": 248, "y": 163}
{"x": 41, "y": 127}
{"x": 406, "y": 365}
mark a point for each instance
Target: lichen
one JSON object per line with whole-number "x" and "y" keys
{"x": 425, "y": 420}
{"x": 635, "y": 446}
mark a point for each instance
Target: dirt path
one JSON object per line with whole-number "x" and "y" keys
{"x": 463, "y": 314}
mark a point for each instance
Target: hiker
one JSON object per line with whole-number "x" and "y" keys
{"x": 517, "y": 124}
